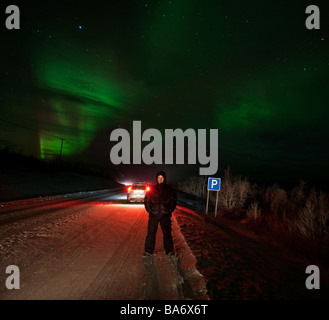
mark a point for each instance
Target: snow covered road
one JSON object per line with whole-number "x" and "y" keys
{"x": 89, "y": 246}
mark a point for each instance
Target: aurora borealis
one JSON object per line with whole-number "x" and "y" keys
{"x": 251, "y": 69}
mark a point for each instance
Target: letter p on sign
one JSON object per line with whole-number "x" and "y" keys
{"x": 214, "y": 184}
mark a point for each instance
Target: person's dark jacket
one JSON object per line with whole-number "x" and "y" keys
{"x": 161, "y": 200}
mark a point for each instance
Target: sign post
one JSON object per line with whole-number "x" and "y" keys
{"x": 213, "y": 185}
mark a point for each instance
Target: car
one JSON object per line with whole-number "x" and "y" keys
{"x": 136, "y": 192}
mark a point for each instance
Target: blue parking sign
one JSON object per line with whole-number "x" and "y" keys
{"x": 214, "y": 184}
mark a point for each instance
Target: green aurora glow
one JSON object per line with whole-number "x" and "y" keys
{"x": 82, "y": 99}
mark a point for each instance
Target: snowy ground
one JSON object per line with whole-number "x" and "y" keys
{"x": 89, "y": 246}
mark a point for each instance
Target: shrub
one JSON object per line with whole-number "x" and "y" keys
{"x": 311, "y": 219}
{"x": 254, "y": 212}
{"x": 234, "y": 192}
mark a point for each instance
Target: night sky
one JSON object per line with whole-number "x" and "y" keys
{"x": 76, "y": 70}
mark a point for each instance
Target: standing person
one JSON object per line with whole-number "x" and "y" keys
{"x": 160, "y": 203}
